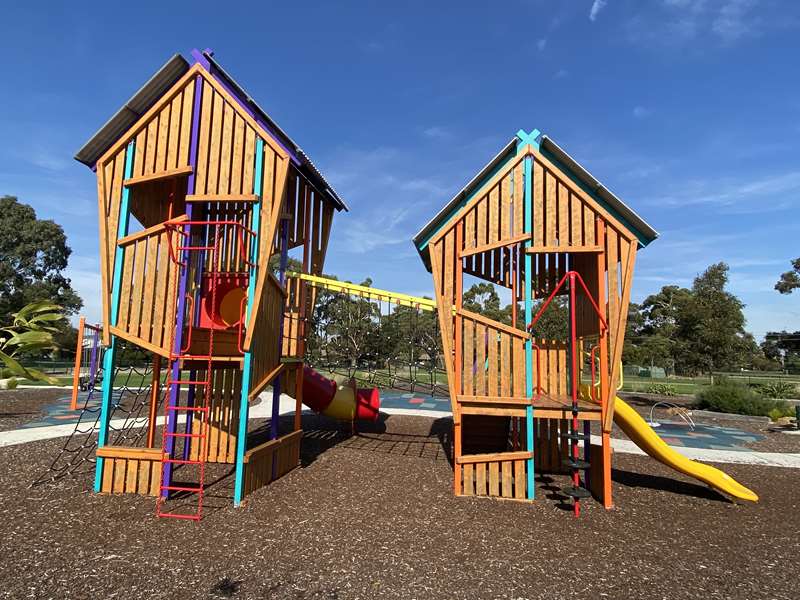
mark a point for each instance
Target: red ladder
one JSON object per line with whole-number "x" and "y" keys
{"x": 189, "y": 412}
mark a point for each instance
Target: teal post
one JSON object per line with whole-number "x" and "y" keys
{"x": 528, "y": 227}
{"x": 241, "y": 439}
{"x": 110, "y": 355}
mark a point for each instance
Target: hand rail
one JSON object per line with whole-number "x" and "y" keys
{"x": 241, "y": 324}
{"x": 190, "y": 298}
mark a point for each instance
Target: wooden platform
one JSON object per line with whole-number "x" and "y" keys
{"x": 547, "y": 407}
{"x": 560, "y": 407}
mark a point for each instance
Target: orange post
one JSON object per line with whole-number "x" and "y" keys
{"x": 604, "y": 372}
{"x": 458, "y": 356}
{"x": 76, "y": 374}
{"x": 155, "y": 392}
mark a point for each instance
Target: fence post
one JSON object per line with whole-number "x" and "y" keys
{"x": 76, "y": 373}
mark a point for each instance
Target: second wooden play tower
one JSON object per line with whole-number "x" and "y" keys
{"x": 535, "y": 222}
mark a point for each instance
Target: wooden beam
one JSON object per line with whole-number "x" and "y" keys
{"x": 493, "y": 400}
{"x": 493, "y": 457}
{"x": 168, "y": 174}
{"x": 562, "y": 249}
{"x": 131, "y": 453}
{"x": 139, "y": 342}
{"x": 128, "y": 239}
{"x": 494, "y": 245}
{"x": 221, "y": 198}
{"x": 467, "y": 314}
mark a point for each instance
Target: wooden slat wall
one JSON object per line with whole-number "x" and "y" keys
{"x": 147, "y": 295}
{"x": 491, "y": 218}
{"x": 124, "y": 474}
{"x": 264, "y": 349}
{"x": 162, "y": 141}
{"x": 226, "y": 147}
{"x": 493, "y": 357}
{"x": 553, "y": 364}
{"x": 276, "y": 456}
{"x": 223, "y": 416}
{"x": 496, "y": 478}
{"x": 549, "y": 448}
{"x": 292, "y": 327}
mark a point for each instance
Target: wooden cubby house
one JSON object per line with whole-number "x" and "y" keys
{"x": 198, "y": 188}
{"x": 535, "y": 222}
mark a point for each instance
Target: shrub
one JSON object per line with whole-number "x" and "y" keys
{"x": 778, "y": 389}
{"x": 730, "y": 397}
{"x": 662, "y": 389}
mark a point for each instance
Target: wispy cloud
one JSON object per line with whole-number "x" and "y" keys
{"x": 437, "y": 132}
{"x": 767, "y": 193}
{"x": 726, "y": 22}
{"x": 640, "y": 112}
{"x": 597, "y": 6}
{"x": 541, "y": 44}
{"x": 561, "y": 74}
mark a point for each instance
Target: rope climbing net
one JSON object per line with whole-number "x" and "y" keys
{"x": 379, "y": 338}
{"x": 128, "y": 424}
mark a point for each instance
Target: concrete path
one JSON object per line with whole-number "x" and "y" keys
{"x": 287, "y": 406}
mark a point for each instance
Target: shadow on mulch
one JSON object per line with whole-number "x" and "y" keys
{"x": 632, "y": 479}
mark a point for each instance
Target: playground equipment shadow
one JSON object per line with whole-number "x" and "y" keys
{"x": 373, "y": 516}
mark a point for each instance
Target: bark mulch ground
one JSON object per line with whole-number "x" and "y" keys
{"x": 21, "y": 406}
{"x": 373, "y": 516}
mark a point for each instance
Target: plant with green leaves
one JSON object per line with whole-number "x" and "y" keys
{"x": 30, "y": 332}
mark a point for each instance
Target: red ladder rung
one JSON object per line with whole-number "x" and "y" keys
{"x": 182, "y": 382}
{"x": 193, "y": 408}
{"x": 185, "y": 435}
{"x": 181, "y": 488}
{"x": 194, "y": 517}
{"x": 181, "y": 461}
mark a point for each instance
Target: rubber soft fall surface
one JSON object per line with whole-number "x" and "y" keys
{"x": 641, "y": 434}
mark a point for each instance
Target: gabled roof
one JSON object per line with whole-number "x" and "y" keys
{"x": 162, "y": 81}
{"x": 643, "y": 231}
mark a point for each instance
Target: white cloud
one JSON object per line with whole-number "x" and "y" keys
{"x": 770, "y": 192}
{"x": 540, "y": 45}
{"x": 680, "y": 22}
{"x": 640, "y": 112}
{"x": 597, "y": 6}
{"x": 733, "y": 21}
{"x": 84, "y": 275}
{"x": 436, "y": 132}
{"x": 561, "y": 74}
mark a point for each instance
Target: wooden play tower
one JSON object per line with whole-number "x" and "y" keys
{"x": 535, "y": 222}
{"x": 197, "y": 189}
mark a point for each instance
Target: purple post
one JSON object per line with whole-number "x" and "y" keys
{"x": 276, "y": 385}
{"x": 175, "y": 371}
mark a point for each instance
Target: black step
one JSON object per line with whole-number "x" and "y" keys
{"x": 575, "y": 464}
{"x": 576, "y": 436}
{"x": 577, "y": 493}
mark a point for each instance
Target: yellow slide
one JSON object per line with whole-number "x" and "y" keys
{"x": 641, "y": 434}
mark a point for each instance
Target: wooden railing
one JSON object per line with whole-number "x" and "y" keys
{"x": 271, "y": 460}
{"x": 147, "y": 295}
{"x": 492, "y": 358}
{"x": 264, "y": 324}
{"x": 500, "y": 475}
{"x": 129, "y": 470}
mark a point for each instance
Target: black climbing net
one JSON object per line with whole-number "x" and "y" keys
{"x": 128, "y": 420}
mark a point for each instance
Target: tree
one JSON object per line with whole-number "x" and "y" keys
{"x": 711, "y": 327}
{"x": 33, "y": 256}
{"x": 790, "y": 280}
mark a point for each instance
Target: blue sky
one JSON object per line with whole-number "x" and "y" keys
{"x": 688, "y": 110}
